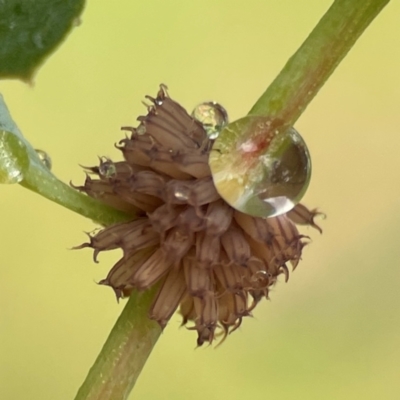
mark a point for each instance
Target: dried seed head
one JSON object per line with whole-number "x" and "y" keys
{"x": 215, "y": 262}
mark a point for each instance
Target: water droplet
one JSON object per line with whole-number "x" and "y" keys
{"x": 260, "y": 167}
{"x": 13, "y": 158}
{"x": 261, "y": 279}
{"x": 141, "y": 129}
{"x": 182, "y": 193}
{"x": 212, "y": 116}
{"x": 107, "y": 169}
{"x": 44, "y": 158}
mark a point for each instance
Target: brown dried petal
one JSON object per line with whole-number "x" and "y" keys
{"x": 226, "y": 310}
{"x": 194, "y": 163}
{"x": 104, "y": 192}
{"x": 166, "y": 124}
{"x": 122, "y": 272}
{"x": 151, "y": 270}
{"x": 164, "y": 218}
{"x": 218, "y": 217}
{"x": 236, "y": 246}
{"x": 203, "y": 192}
{"x": 162, "y": 161}
{"x": 142, "y": 201}
{"x": 193, "y": 128}
{"x": 257, "y": 228}
{"x": 168, "y": 297}
{"x": 186, "y": 309}
{"x": 287, "y": 244}
{"x": 196, "y": 192}
{"x": 204, "y": 334}
{"x": 297, "y": 249}
{"x": 109, "y": 238}
{"x": 240, "y": 301}
{"x": 125, "y": 171}
{"x": 176, "y": 244}
{"x": 231, "y": 308}
{"x": 290, "y": 253}
{"x": 147, "y": 182}
{"x": 181, "y": 120}
{"x": 285, "y": 271}
{"x": 142, "y": 150}
{"x": 136, "y": 150}
{"x": 284, "y": 227}
{"x": 191, "y": 219}
{"x": 231, "y": 277}
{"x": 140, "y": 235}
{"x": 207, "y": 249}
{"x": 279, "y": 249}
{"x": 110, "y": 171}
{"x": 198, "y": 280}
{"x": 262, "y": 251}
{"x": 303, "y": 216}
{"x": 206, "y": 309}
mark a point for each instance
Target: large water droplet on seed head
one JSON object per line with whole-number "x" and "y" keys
{"x": 260, "y": 167}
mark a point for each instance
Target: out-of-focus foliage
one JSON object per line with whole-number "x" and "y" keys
{"x": 30, "y": 30}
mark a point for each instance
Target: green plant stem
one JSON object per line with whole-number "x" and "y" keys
{"x": 124, "y": 354}
{"x": 309, "y": 68}
{"x": 49, "y": 186}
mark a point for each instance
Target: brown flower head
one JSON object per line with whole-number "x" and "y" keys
{"x": 214, "y": 262}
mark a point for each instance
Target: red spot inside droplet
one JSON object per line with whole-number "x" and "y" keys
{"x": 257, "y": 145}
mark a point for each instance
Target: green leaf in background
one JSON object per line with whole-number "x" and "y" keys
{"x": 30, "y": 30}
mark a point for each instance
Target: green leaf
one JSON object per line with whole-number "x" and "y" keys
{"x": 30, "y": 30}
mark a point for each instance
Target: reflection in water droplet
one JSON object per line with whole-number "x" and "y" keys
{"x": 14, "y": 175}
{"x": 212, "y": 116}
{"x": 13, "y": 158}
{"x": 141, "y": 129}
{"x": 264, "y": 175}
{"x": 261, "y": 279}
{"x": 181, "y": 193}
{"x": 44, "y": 158}
{"x": 107, "y": 169}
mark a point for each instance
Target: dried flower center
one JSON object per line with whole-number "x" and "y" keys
{"x": 214, "y": 262}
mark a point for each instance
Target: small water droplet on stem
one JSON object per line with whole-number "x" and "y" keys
{"x": 44, "y": 158}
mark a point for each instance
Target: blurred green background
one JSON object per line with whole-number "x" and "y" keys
{"x": 332, "y": 332}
